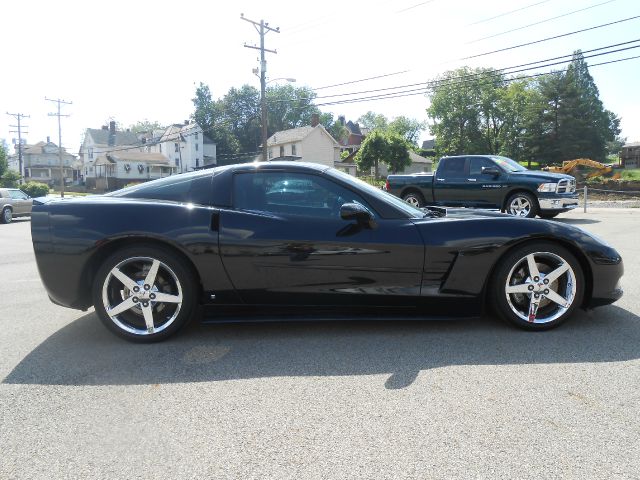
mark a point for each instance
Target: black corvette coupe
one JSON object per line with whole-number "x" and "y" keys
{"x": 290, "y": 236}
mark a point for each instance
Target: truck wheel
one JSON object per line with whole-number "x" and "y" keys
{"x": 414, "y": 199}
{"x": 522, "y": 204}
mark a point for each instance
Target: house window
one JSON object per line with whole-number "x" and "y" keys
{"x": 197, "y": 147}
{"x": 177, "y": 147}
{"x": 197, "y": 160}
{"x": 160, "y": 148}
{"x": 196, "y": 135}
{"x": 91, "y": 153}
{"x": 270, "y": 153}
{"x": 282, "y": 150}
{"x": 293, "y": 149}
{"x": 177, "y": 162}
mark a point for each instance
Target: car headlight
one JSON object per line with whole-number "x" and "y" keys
{"x": 548, "y": 187}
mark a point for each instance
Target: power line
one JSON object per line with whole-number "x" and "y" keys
{"x": 506, "y": 13}
{"x": 432, "y": 83}
{"x": 414, "y": 6}
{"x": 360, "y": 80}
{"x": 540, "y": 22}
{"x": 425, "y": 90}
{"x": 551, "y": 38}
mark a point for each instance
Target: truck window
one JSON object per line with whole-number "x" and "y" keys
{"x": 476, "y": 164}
{"x": 452, "y": 167}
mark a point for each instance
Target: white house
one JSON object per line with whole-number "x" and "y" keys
{"x": 309, "y": 144}
{"x": 98, "y": 142}
{"x": 418, "y": 165}
{"x": 185, "y": 145}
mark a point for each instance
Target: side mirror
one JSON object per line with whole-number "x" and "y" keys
{"x": 356, "y": 212}
{"x": 493, "y": 171}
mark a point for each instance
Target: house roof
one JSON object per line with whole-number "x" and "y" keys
{"x": 632, "y": 144}
{"x": 428, "y": 144}
{"x": 38, "y": 148}
{"x": 353, "y": 128}
{"x": 207, "y": 141}
{"x": 101, "y": 137}
{"x": 415, "y": 158}
{"x": 177, "y": 132}
{"x": 295, "y": 135}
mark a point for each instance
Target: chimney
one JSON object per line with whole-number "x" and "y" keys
{"x": 341, "y": 119}
{"x": 186, "y": 122}
{"x": 315, "y": 120}
{"x": 104, "y": 127}
{"x": 112, "y": 133}
{"x": 48, "y": 139}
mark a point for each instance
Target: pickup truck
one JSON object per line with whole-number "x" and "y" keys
{"x": 488, "y": 181}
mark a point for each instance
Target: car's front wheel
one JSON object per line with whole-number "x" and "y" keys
{"x": 538, "y": 286}
{"x": 522, "y": 204}
{"x": 7, "y": 215}
{"x": 144, "y": 293}
{"x": 414, "y": 199}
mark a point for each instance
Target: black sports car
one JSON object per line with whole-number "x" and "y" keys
{"x": 290, "y": 236}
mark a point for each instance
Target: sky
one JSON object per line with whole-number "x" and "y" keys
{"x": 136, "y": 60}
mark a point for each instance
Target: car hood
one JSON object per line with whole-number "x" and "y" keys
{"x": 542, "y": 176}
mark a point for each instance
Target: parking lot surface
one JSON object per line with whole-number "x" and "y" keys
{"x": 458, "y": 399}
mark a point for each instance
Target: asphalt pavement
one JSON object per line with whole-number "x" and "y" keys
{"x": 320, "y": 400}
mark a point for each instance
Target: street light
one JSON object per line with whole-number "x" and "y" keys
{"x": 263, "y": 108}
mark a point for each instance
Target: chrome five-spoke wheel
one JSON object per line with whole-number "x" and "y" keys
{"x": 143, "y": 296}
{"x": 414, "y": 199}
{"x": 522, "y": 204}
{"x": 538, "y": 287}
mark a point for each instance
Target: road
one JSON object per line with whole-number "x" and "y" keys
{"x": 377, "y": 400}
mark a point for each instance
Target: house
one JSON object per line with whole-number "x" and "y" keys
{"x": 354, "y": 138}
{"x": 98, "y": 142}
{"x": 116, "y": 169}
{"x": 186, "y": 145}
{"x": 418, "y": 165}
{"x": 311, "y": 143}
{"x": 630, "y": 155}
{"x": 41, "y": 163}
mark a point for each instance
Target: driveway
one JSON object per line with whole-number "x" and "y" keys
{"x": 458, "y": 399}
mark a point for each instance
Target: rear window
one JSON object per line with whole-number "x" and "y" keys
{"x": 185, "y": 188}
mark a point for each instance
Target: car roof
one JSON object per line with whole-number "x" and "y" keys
{"x": 277, "y": 165}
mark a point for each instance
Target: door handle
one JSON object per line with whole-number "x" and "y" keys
{"x": 439, "y": 179}
{"x": 472, "y": 179}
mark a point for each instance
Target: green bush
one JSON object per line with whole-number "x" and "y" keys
{"x": 35, "y": 189}
{"x": 10, "y": 179}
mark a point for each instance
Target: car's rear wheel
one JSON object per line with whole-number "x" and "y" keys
{"x": 522, "y": 204}
{"x": 144, "y": 293}
{"x": 414, "y": 199}
{"x": 7, "y": 215}
{"x": 538, "y": 286}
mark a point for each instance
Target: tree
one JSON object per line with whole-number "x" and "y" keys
{"x": 146, "y": 125}
{"x": 4, "y": 163}
{"x": 388, "y": 148}
{"x": 373, "y": 121}
{"x": 289, "y": 107}
{"x": 407, "y": 128}
{"x": 208, "y": 114}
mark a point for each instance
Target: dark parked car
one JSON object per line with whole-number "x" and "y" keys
{"x": 225, "y": 240}
{"x": 488, "y": 181}
{"x": 14, "y": 203}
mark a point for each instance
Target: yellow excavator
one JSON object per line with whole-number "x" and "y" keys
{"x": 584, "y": 168}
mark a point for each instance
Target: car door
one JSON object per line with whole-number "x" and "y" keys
{"x": 451, "y": 182}
{"x": 485, "y": 190}
{"x": 21, "y": 202}
{"x": 284, "y": 242}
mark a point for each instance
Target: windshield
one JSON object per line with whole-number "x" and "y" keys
{"x": 507, "y": 164}
{"x": 380, "y": 194}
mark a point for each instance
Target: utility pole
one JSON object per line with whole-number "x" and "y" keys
{"x": 262, "y": 28}
{"x": 19, "y": 117}
{"x": 58, "y": 114}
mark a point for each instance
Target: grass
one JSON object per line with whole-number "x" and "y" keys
{"x": 630, "y": 174}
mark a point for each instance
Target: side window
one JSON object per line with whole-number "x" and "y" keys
{"x": 453, "y": 168}
{"x": 476, "y": 165}
{"x": 289, "y": 193}
{"x": 18, "y": 195}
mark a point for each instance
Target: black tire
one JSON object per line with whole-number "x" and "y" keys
{"x": 549, "y": 216}
{"x": 522, "y": 198}
{"x": 513, "y": 273}
{"x": 7, "y": 215}
{"x": 414, "y": 198}
{"x": 173, "y": 280}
